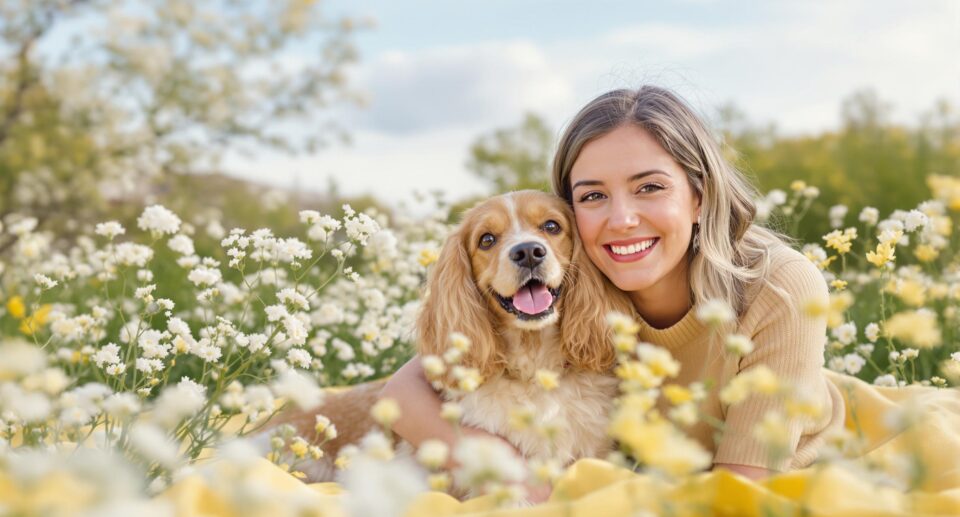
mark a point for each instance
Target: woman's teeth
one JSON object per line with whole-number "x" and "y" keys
{"x": 633, "y": 248}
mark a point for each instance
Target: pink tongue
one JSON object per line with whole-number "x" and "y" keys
{"x": 532, "y": 300}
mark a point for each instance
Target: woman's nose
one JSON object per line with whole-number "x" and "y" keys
{"x": 623, "y": 216}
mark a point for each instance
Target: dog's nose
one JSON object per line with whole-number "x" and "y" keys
{"x": 528, "y": 254}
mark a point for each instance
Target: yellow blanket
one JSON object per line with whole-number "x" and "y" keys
{"x": 592, "y": 488}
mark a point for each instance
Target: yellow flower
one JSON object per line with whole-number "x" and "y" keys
{"x": 635, "y": 373}
{"x": 839, "y": 285}
{"x": 385, "y": 412}
{"x": 459, "y": 341}
{"x": 16, "y": 308}
{"x": 918, "y": 328}
{"x": 439, "y": 482}
{"x": 841, "y": 241}
{"x": 299, "y": 447}
{"x": 926, "y": 253}
{"x": 677, "y": 394}
{"x": 832, "y": 310}
{"x": 35, "y": 321}
{"x": 468, "y": 379}
{"x": 798, "y": 185}
{"x": 911, "y": 292}
{"x": 659, "y": 445}
{"x": 428, "y": 256}
{"x": 946, "y": 189}
{"x": 883, "y": 255}
{"x": 521, "y": 418}
{"x": 621, "y": 324}
{"x": 548, "y": 380}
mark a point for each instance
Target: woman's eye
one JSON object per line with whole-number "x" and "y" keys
{"x": 651, "y": 187}
{"x": 487, "y": 240}
{"x": 590, "y": 196}
{"x": 551, "y": 227}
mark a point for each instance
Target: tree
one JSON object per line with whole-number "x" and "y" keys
{"x": 514, "y": 158}
{"x": 99, "y": 96}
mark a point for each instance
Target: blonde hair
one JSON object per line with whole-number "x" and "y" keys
{"x": 732, "y": 251}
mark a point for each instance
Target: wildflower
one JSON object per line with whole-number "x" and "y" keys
{"x": 181, "y": 244}
{"x": 918, "y": 328}
{"x": 772, "y": 431}
{"x": 845, "y": 333}
{"x": 915, "y": 219}
{"x": 451, "y": 412}
{"x": 547, "y": 379}
{"x": 852, "y": 363}
{"x": 886, "y": 380}
{"x": 298, "y": 388}
{"x": 872, "y": 331}
{"x": 841, "y": 241}
{"x": 386, "y": 411}
{"x": 869, "y": 215}
{"x": 883, "y": 254}
{"x": 659, "y": 445}
{"x": 433, "y": 454}
{"x": 798, "y": 185}
{"x": 677, "y": 394}
{"x": 926, "y": 253}
{"x": 16, "y": 307}
{"x": 484, "y": 460}
{"x": 468, "y": 379}
{"x": 44, "y": 281}
{"x": 428, "y": 256}
{"x": 839, "y": 285}
{"x": 715, "y": 312}
{"x": 621, "y": 324}
{"x": 158, "y": 220}
{"x": 459, "y": 341}
{"x": 658, "y": 360}
{"x": 837, "y": 213}
{"x": 439, "y": 482}
{"x": 433, "y": 366}
{"x": 204, "y": 276}
{"x": 811, "y": 192}
{"x": 109, "y": 229}
{"x": 739, "y": 344}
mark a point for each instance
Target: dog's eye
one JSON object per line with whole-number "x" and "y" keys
{"x": 487, "y": 240}
{"x": 551, "y": 227}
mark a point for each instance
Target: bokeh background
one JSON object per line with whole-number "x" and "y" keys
{"x": 255, "y": 109}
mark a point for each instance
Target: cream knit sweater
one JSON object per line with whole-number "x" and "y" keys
{"x": 786, "y": 340}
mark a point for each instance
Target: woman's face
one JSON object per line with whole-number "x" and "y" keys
{"x": 635, "y": 211}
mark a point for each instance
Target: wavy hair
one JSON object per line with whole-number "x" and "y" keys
{"x": 732, "y": 251}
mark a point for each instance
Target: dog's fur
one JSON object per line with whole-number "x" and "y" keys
{"x": 466, "y": 293}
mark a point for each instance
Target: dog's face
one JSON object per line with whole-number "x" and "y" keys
{"x": 520, "y": 246}
{"x": 516, "y": 261}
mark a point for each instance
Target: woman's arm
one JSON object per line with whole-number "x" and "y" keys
{"x": 420, "y": 418}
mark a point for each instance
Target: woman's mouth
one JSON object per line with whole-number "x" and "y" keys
{"x": 632, "y": 252}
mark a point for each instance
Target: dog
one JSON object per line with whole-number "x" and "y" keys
{"x": 514, "y": 280}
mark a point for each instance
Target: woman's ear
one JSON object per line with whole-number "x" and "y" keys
{"x": 454, "y": 304}
{"x": 588, "y": 296}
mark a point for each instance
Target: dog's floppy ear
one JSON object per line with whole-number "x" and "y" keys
{"x": 455, "y": 304}
{"x": 588, "y": 296}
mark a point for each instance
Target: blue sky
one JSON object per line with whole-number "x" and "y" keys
{"x": 440, "y": 73}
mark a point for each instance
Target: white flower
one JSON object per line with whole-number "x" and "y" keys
{"x": 885, "y": 380}
{"x": 109, "y": 229}
{"x": 837, "y": 213}
{"x": 482, "y": 460}
{"x": 276, "y": 312}
{"x": 433, "y": 454}
{"x": 395, "y": 482}
{"x": 955, "y": 356}
{"x": 777, "y": 197}
{"x": 853, "y": 363}
{"x": 865, "y": 350}
{"x": 869, "y": 215}
{"x": 299, "y": 357}
{"x": 44, "y": 281}
{"x": 298, "y": 388}
{"x": 121, "y": 405}
{"x": 837, "y": 364}
{"x": 739, "y": 344}
{"x": 872, "y": 331}
{"x": 178, "y": 402}
{"x": 152, "y": 443}
{"x": 846, "y": 333}
{"x": 204, "y": 276}
{"x": 181, "y": 244}
{"x": 385, "y": 412}
{"x": 715, "y": 312}
{"x": 109, "y": 354}
{"x": 915, "y": 219}
{"x": 157, "y": 219}
{"x": 291, "y": 297}
{"x": 360, "y": 228}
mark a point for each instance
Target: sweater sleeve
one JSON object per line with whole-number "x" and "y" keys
{"x": 791, "y": 344}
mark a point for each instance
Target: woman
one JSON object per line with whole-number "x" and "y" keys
{"x": 670, "y": 222}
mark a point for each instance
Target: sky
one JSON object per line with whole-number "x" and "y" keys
{"x": 438, "y": 74}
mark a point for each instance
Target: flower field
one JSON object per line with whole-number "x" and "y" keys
{"x": 133, "y": 357}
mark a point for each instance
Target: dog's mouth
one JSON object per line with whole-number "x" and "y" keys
{"x": 533, "y": 301}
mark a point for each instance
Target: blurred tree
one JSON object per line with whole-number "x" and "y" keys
{"x": 99, "y": 97}
{"x": 514, "y": 158}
